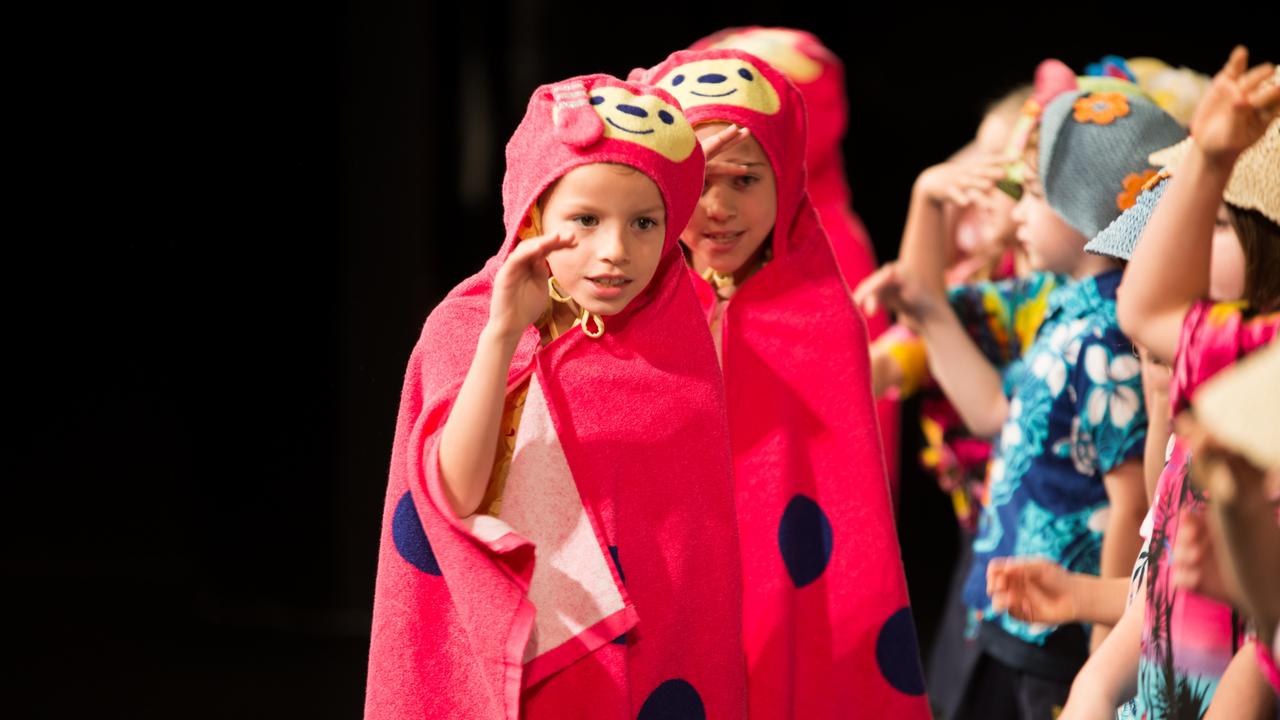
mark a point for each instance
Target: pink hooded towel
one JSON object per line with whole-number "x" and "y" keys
{"x": 828, "y": 630}
{"x": 608, "y": 585}
{"x": 819, "y": 76}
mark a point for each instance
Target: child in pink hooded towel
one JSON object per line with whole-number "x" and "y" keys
{"x": 819, "y": 76}
{"x": 599, "y": 577}
{"x": 828, "y": 631}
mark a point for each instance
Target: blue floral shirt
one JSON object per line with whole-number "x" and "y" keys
{"x": 1075, "y": 413}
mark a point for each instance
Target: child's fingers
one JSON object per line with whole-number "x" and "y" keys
{"x": 1237, "y": 63}
{"x": 724, "y": 140}
{"x": 1267, "y": 99}
{"x": 958, "y": 196}
{"x": 534, "y": 251}
{"x": 721, "y": 167}
{"x": 1255, "y": 75}
{"x": 556, "y": 241}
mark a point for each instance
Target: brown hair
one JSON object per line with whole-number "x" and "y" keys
{"x": 1260, "y": 239}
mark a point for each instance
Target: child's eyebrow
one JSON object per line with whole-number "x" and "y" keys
{"x": 655, "y": 210}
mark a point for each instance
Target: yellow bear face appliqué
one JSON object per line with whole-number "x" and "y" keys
{"x": 645, "y": 120}
{"x": 780, "y": 49}
{"x": 722, "y": 81}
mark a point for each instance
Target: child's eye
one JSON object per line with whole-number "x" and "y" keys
{"x": 646, "y": 223}
{"x": 742, "y": 182}
{"x": 587, "y": 221}
{"x": 1221, "y": 223}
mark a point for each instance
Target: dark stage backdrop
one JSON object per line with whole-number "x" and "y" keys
{"x": 245, "y": 217}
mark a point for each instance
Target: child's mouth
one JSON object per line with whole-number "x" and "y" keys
{"x": 724, "y": 239}
{"x": 610, "y": 281}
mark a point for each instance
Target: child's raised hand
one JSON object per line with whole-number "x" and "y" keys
{"x": 1032, "y": 590}
{"x": 715, "y": 145}
{"x": 1238, "y": 106}
{"x": 897, "y": 292}
{"x": 960, "y": 183}
{"x": 520, "y": 287}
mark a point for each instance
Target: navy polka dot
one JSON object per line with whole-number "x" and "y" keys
{"x": 804, "y": 539}
{"x": 596, "y": 99}
{"x": 675, "y": 81}
{"x": 411, "y": 541}
{"x": 673, "y": 700}
{"x": 665, "y": 117}
{"x": 745, "y": 74}
{"x": 613, "y": 553}
{"x": 897, "y": 653}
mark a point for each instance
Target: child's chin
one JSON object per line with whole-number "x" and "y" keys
{"x": 605, "y": 309}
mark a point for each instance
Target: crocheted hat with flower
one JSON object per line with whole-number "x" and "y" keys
{"x": 1254, "y": 185}
{"x": 1052, "y": 79}
{"x": 1093, "y": 153}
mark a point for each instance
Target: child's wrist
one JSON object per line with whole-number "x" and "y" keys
{"x": 500, "y": 337}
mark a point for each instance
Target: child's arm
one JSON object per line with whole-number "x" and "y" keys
{"x": 1169, "y": 270}
{"x": 470, "y": 436}
{"x": 915, "y": 288}
{"x": 1110, "y": 677}
{"x": 1242, "y": 693}
{"x": 1036, "y": 590}
{"x": 1121, "y": 541}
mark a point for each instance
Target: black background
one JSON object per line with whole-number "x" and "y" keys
{"x": 229, "y": 226}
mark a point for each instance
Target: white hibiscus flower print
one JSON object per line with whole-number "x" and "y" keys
{"x": 1052, "y": 370}
{"x": 1111, "y": 394}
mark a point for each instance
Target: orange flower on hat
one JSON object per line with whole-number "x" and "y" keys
{"x": 1134, "y": 183}
{"x": 1101, "y": 108}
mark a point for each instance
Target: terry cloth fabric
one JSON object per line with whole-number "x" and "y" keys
{"x": 617, "y": 516}
{"x": 1254, "y": 185}
{"x": 819, "y": 76}
{"x": 828, "y": 628}
{"x": 1093, "y": 153}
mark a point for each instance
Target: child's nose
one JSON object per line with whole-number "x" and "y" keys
{"x": 612, "y": 246}
{"x": 717, "y": 205}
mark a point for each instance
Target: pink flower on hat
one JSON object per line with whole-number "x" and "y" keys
{"x": 1101, "y": 108}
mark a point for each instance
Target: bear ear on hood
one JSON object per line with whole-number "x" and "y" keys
{"x": 637, "y": 75}
{"x": 575, "y": 123}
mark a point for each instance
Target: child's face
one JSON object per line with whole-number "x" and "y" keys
{"x": 619, "y": 219}
{"x": 1226, "y": 264}
{"x": 1051, "y": 244}
{"x": 736, "y": 212}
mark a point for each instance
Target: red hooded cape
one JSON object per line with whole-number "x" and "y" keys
{"x": 828, "y": 630}
{"x": 609, "y": 585}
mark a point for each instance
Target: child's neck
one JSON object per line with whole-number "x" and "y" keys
{"x": 1090, "y": 265}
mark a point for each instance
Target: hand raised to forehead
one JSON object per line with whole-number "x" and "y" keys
{"x": 728, "y": 138}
